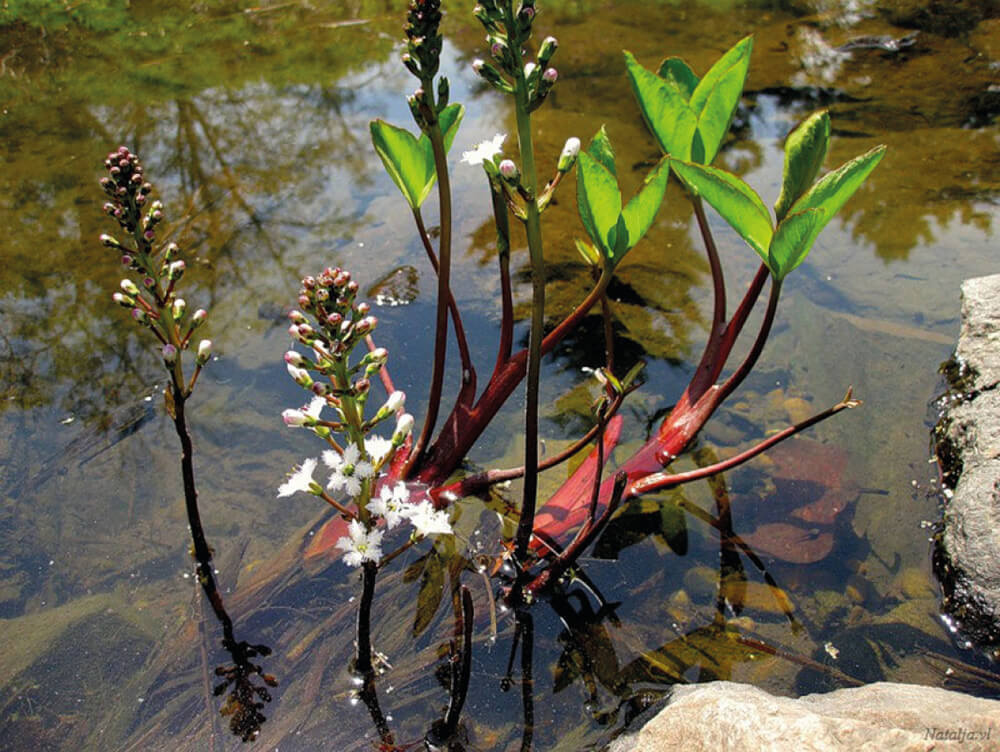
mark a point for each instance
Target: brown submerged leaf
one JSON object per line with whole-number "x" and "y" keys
{"x": 791, "y": 543}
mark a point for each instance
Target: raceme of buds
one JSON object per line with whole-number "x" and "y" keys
{"x": 571, "y": 150}
{"x": 423, "y": 38}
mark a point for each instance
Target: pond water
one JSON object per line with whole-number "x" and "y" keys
{"x": 253, "y": 123}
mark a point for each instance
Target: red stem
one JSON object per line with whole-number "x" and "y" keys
{"x": 661, "y": 481}
{"x": 464, "y": 426}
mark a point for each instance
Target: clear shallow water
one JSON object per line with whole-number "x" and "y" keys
{"x": 254, "y": 127}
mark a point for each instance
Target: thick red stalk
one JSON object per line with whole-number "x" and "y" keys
{"x": 466, "y": 424}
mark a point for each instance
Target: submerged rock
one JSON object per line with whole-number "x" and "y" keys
{"x": 727, "y": 715}
{"x": 967, "y": 437}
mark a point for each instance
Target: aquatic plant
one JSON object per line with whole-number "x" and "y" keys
{"x": 376, "y": 483}
{"x": 151, "y": 294}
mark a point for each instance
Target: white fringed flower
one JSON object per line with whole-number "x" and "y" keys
{"x": 301, "y": 480}
{"x": 391, "y": 504}
{"x": 360, "y": 545}
{"x": 487, "y": 150}
{"x": 348, "y": 469}
{"x": 426, "y": 520}
{"x": 378, "y": 449}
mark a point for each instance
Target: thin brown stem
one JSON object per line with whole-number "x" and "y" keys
{"x": 662, "y": 481}
{"x": 758, "y": 346}
{"x": 338, "y": 506}
{"x": 363, "y": 656}
{"x": 456, "y": 317}
{"x": 475, "y": 484}
{"x": 383, "y": 372}
{"x": 443, "y": 295}
{"x": 502, "y": 221}
{"x": 718, "y": 278}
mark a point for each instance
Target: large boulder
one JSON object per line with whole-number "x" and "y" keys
{"x": 882, "y": 716}
{"x": 967, "y": 556}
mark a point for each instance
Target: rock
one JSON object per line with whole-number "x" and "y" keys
{"x": 967, "y": 556}
{"x": 727, "y": 715}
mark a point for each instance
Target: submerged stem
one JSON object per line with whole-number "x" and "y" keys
{"x": 534, "y": 233}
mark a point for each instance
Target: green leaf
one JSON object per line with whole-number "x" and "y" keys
{"x": 409, "y": 161}
{"x": 600, "y": 149}
{"x": 792, "y": 241}
{"x": 599, "y": 201}
{"x": 833, "y": 190}
{"x": 805, "y": 150}
{"x": 404, "y": 160}
{"x": 640, "y": 212}
{"x": 733, "y": 199}
{"x": 717, "y": 96}
{"x": 665, "y": 109}
{"x": 676, "y": 70}
{"x": 618, "y": 241}
{"x": 738, "y": 57}
{"x": 449, "y": 119}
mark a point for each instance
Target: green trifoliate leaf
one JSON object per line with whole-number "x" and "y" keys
{"x": 410, "y": 161}
{"x": 676, "y": 70}
{"x": 805, "y": 150}
{"x": 792, "y": 241}
{"x": 600, "y": 149}
{"x": 640, "y": 212}
{"x": 715, "y": 100}
{"x": 665, "y": 109}
{"x": 733, "y": 199}
{"x": 833, "y": 190}
{"x": 599, "y": 201}
{"x": 403, "y": 159}
{"x": 614, "y": 230}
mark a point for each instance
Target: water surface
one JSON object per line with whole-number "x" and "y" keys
{"x": 253, "y": 124}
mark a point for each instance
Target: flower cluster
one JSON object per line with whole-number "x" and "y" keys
{"x": 422, "y": 58}
{"x": 331, "y": 323}
{"x": 152, "y": 297}
{"x": 506, "y": 34}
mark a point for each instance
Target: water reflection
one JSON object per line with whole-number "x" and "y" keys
{"x": 265, "y": 154}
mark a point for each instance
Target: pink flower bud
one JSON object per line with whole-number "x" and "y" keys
{"x": 294, "y": 358}
{"x": 204, "y": 352}
{"x": 509, "y": 170}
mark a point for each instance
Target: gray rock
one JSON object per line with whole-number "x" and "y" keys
{"x": 968, "y": 446}
{"x": 901, "y": 717}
